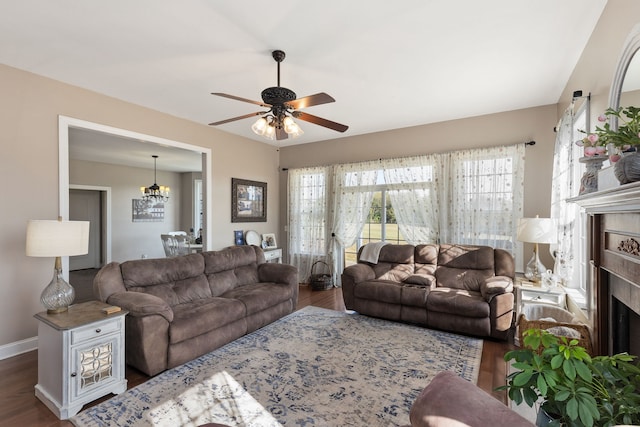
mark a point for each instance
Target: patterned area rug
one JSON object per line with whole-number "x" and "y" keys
{"x": 315, "y": 367}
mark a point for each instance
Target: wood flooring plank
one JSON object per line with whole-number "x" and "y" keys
{"x": 18, "y": 375}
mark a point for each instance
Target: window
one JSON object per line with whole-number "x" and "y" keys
{"x": 569, "y": 253}
{"x": 468, "y": 197}
{"x": 307, "y": 211}
{"x": 381, "y": 226}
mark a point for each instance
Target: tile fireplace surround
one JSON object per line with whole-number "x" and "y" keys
{"x": 613, "y": 254}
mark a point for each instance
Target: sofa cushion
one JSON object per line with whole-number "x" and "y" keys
{"x": 426, "y": 259}
{"x": 202, "y": 316}
{"x": 176, "y": 280}
{"x": 259, "y": 296}
{"x": 395, "y": 262}
{"x": 465, "y": 279}
{"x": 388, "y": 291}
{"x": 466, "y": 257}
{"x": 231, "y": 267}
{"x": 457, "y": 301}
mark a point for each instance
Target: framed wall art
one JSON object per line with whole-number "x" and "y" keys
{"x": 248, "y": 201}
{"x": 144, "y": 211}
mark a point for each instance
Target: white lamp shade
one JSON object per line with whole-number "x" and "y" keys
{"x": 538, "y": 230}
{"x": 50, "y": 238}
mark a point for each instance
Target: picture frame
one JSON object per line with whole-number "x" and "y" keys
{"x": 248, "y": 200}
{"x": 238, "y": 237}
{"x": 269, "y": 241}
{"x": 144, "y": 211}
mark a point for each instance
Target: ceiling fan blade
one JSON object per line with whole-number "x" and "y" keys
{"x": 311, "y": 100}
{"x": 281, "y": 134}
{"x": 319, "y": 121}
{"x": 221, "y": 122}
{"x": 237, "y": 98}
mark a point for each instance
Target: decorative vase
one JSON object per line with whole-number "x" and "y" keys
{"x": 589, "y": 181}
{"x": 627, "y": 169}
{"x": 543, "y": 418}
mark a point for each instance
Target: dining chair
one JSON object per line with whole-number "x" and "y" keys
{"x": 175, "y": 245}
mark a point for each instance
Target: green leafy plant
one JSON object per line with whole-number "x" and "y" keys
{"x": 628, "y": 133}
{"x": 574, "y": 388}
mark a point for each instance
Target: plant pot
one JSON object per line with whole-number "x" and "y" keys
{"x": 543, "y": 419}
{"x": 627, "y": 169}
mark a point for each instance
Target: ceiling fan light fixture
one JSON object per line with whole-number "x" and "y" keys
{"x": 260, "y": 126}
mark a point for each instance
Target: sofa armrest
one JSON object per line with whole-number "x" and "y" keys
{"x": 108, "y": 281}
{"x": 426, "y": 280}
{"x": 278, "y": 273}
{"x": 496, "y": 285}
{"x": 139, "y": 304}
{"x": 359, "y": 273}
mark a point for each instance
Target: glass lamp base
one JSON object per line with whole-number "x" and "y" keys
{"x": 58, "y": 295}
{"x": 534, "y": 269}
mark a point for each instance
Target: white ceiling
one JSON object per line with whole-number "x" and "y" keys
{"x": 388, "y": 64}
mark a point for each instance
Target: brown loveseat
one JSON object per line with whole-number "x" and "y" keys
{"x": 183, "y": 307}
{"x": 466, "y": 289}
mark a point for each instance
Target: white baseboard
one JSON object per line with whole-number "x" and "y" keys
{"x": 18, "y": 347}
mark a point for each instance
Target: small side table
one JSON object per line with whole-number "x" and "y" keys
{"x": 80, "y": 357}
{"x": 527, "y": 294}
{"x": 273, "y": 254}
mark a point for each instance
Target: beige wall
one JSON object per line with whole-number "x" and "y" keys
{"x": 29, "y": 109}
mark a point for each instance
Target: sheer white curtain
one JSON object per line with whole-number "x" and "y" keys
{"x": 484, "y": 190}
{"x": 411, "y": 184}
{"x": 308, "y": 211}
{"x": 353, "y": 188}
{"x": 566, "y": 184}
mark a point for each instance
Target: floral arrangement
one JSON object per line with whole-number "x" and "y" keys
{"x": 623, "y": 139}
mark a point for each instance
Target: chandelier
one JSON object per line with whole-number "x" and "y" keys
{"x": 155, "y": 193}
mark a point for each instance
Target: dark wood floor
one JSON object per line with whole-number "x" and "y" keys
{"x": 19, "y": 374}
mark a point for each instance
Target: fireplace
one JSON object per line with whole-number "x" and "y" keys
{"x": 613, "y": 253}
{"x": 624, "y": 321}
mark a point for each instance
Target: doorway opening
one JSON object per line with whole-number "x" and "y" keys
{"x": 68, "y": 124}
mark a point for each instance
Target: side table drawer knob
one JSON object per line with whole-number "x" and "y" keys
{"x": 73, "y": 374}
{"x": 98, "y": 330}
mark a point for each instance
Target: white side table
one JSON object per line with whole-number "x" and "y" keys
{"x": 273, "y": 254}
{"x": 80, "y": 357}
{"x": 527, "y": 294}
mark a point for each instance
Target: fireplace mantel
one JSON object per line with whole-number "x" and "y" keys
{"x": 613, "y": 255}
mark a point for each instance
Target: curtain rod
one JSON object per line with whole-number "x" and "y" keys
{"x": 528, "y": 143}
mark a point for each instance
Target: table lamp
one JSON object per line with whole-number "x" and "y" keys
{"x": 536, "y": 230}
{"x": 50, "y": 238}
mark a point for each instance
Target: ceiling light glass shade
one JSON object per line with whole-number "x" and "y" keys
{"x": 48, "y": 238}
{"x": 291, "y": 127}
{"x": 260, "y": 126}
{"x": 296, "y": 131}
{"x": 270, "y": 132}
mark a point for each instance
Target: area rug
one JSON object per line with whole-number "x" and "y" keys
{"x": 315, "y": 367}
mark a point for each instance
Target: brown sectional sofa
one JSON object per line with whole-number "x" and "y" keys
{"x": 457, "y": 288}
{"x": 183, "y": 307}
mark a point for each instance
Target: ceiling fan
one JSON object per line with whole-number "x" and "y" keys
{"x": 283, "y": 107}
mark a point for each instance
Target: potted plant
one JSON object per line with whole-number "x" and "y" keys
{"x": 574, "y": 389}
{"x": 625, "y": 139}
